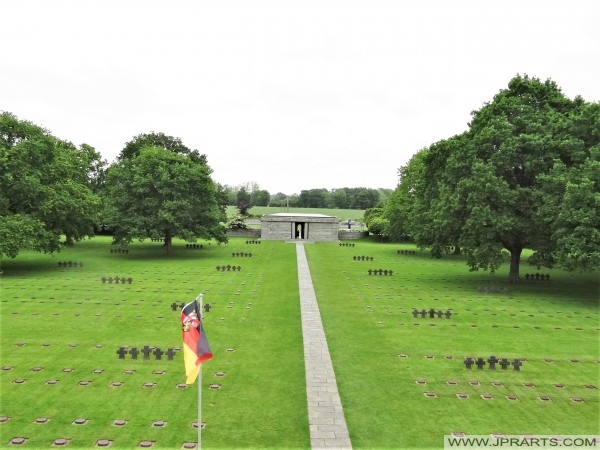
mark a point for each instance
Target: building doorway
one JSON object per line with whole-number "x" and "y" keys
{"x": 300, "y": 230}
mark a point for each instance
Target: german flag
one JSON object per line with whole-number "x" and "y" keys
{"x": 195, "y": 346}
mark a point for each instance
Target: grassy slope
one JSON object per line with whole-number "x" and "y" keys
{"x": 341, "y": 214}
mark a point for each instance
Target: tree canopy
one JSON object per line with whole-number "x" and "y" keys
{"x": 525, "y": 175}
{"x": 157, "y": 193}
{"x": 46, "y": 188}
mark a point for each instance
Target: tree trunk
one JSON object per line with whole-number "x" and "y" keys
{"x": 515, "y": 260}
{"x": 168, "y": 240}
{"x": 456, "y": 250}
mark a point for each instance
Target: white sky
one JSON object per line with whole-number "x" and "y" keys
{"x": 289, "y": 94}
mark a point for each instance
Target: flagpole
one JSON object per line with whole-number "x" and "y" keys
{"x": 200, "y": 407}
{"x": 199, "y": 381}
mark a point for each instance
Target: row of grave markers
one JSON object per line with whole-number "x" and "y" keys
{"x": 179, "y": 306}
{"x": 229, "y": 267}
{"x": 492, "y": 361}
{"x": 146, "y": 351}
{"x": 380, "y": 272}
{"x": 116, "y": 280}
{"x": 69, "y": 264}
{"x": 537, "y": 276}
{"x": 120, "y": 250}
{"x": 432, "y": 313}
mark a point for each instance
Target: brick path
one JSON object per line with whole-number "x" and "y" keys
{"x": 325, "y": 414}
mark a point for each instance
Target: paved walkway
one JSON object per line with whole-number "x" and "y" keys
{"x": 325, "y": 414}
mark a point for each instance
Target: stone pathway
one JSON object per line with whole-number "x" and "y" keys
{"x": 325, "y": 413}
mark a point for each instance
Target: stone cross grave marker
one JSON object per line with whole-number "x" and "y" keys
{"x": 517, "y": 364}
{"x": 146, "y": 351}
{"x": 170, "y": 353}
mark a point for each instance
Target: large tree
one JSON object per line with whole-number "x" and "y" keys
{"x": 497, "y": 188}
{"x": 46, "y": 188}
{"x": 158, "y": 193}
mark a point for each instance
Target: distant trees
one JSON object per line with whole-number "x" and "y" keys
{"x": 46, "y": 188}
{"x": 342, "y": 198}
{"x": 525, "y": 175}
{"x": 260, "y": 197}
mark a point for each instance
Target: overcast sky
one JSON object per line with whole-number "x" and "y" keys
{"x": 291, "y": 95}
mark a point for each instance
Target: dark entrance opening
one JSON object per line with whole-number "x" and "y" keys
{"x": 300, "y": 231}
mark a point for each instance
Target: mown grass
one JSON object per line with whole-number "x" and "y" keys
{"x": 369, "y": 325}
{"x": 341, "y": 214}
{"x": 255, "y": 313}
{"x": 67, "y": 318}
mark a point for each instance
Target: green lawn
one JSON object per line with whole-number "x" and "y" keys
{"x": 341, "y": 214}
{"x": 57, "y": 318}
{"x": 380, "y": 351}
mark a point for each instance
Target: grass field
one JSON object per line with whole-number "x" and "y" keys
{"x": 342, "y": 214}
{"x": 55, "y": 318}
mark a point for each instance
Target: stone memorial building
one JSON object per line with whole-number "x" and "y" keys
{"x": 307, "y": 227}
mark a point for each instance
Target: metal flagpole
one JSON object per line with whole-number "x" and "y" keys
{"x": 200, "y": 408}
{"x": 199, "y": 380}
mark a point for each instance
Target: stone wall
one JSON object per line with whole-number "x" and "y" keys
{"x": 344, "y": 235}
{"x": 252, "y": 233}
